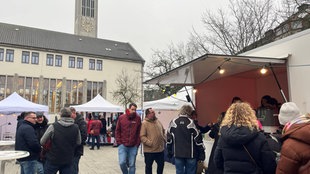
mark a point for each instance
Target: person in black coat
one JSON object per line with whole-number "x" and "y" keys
{"x": 103, "y": 130}
{"x": 40, "y": 128}
{"x": 241, "y": 147}
{"x": 26, "y": 140}
{"x": 214, "y": 134}
{"x": 79, "y": 150}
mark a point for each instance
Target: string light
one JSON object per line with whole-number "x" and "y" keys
{"x": 263, "y": 70}
{"x": 194, "y": 90}
{"x": 221, "y": 71}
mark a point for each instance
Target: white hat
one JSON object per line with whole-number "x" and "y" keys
{"x": 288, "y": 112}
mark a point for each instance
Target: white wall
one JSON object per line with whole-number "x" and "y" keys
{"x": 298, "y": 65}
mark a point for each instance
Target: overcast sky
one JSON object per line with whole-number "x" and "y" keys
{"x": 146, "y": 24}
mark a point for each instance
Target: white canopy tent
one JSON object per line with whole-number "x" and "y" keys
{"x": 98, "y": 104}
{"x": 173, "y": 102}
{"x": 17, "y": 104}
{"x": 12, "y": 106}
{"x": 167, "y": 108}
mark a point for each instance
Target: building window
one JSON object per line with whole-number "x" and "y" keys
{"x": 2, "y": 87}
{"x": 34, "y": 58}
{"x": 296, "y": 24}
{"x": 88, "y": 8}
{"x": 92, "y": 9}
{"x": 58, "y": 60}
{"x": 9, "y": 55}
{"x": 49, "y": 59}
{"x": 91, "y": 64}
{"x": 25, "y": 56}
{"x": 71, "y": 62}
{"x": 1, "y": 54}
{"x": 79, "y": 63}
{"x": 83, "y": 7}
{"x": 99, "y": 65}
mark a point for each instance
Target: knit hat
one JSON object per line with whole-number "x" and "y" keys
{"x": 288, "y": 112}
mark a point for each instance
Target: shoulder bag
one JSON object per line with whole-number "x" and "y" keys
{"x": 258, "y": 169}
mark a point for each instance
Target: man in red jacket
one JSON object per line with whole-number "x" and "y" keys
{"x": 128, "y": 138}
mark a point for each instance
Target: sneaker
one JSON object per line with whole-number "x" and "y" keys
{"x": 91, "y": 148}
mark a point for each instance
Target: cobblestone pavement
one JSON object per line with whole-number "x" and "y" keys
{"x": 102, "y": 161}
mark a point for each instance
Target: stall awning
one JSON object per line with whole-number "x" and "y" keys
{"x": 205, "y": 68}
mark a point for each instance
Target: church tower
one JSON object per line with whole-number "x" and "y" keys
{"x": 86, "y": 18}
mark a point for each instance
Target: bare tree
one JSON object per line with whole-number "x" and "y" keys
{"x": 227, "y": 32}
{"x": 245, "y": 23}
{"x": 290, "y": 7}
{"x": 165, "y": 60}
{"x": 127, "y": 89}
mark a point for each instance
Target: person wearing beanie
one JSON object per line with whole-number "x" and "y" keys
{"x": 65, "y": 137}
{"x": 295, "y": 151}
{"x": 288, "y": 112}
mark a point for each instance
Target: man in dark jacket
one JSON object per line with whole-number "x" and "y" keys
{"x": 128, "y": 138}
{"x": 79, "y": 150}
{"x": 65, "y": 137}
{"x": 184, "y": 142}
{"x": 26, "y": 140}
{"x": 40, "y": 127}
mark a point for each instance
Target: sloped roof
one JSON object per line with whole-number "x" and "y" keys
{"x": 21, "y": 36}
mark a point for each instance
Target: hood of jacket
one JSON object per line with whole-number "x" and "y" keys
{"x": 66, "y": 121}
{"x": 236, "y": 136}
{"x": 150, "y": 120}
{"x": 78, "y": 118}
{"x": 299, "y": 132}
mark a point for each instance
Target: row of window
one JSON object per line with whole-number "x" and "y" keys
{"x": 51, "y": 90}
{"x": 51, "y": 59}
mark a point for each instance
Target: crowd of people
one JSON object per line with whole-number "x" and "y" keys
{"x": 240, "y": 143}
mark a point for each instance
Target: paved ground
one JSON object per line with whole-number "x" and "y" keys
{"x": 102, "y": 161}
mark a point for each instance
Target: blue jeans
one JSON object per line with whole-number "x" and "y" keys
{"x": 127, "y": 158}
{"x": 185, "y": 165}
{"x": 40, "y": 169}
{"x": 75, "y": 166}
{"x": 50, "y": 168}
{"x": 93, "y": 138}
{"x": 27, "y": 167}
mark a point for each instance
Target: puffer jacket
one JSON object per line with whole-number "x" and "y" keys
{"x": 231, "y": 156}
{"x": 295, "y": 152}
{"x": 128, "y": 130}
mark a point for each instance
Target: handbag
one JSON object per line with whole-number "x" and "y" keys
{"x": 258, "y": 169}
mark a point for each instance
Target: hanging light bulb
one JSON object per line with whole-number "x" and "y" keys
{"x": 221, "y": 71}
{"x": 194, "y": 90}
{"x": 263, "y": 70}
